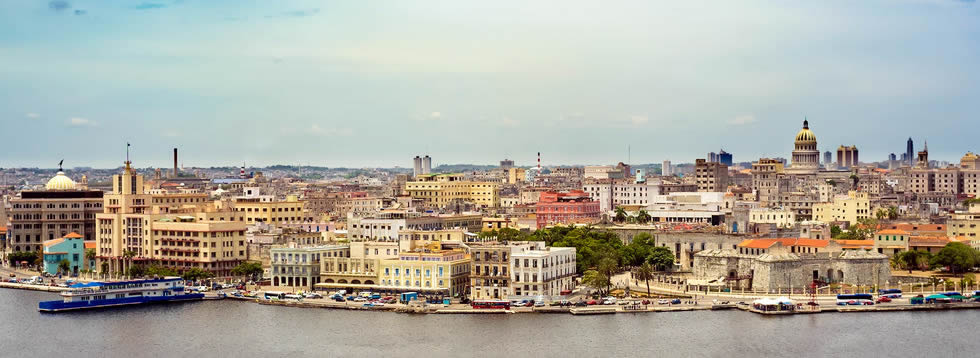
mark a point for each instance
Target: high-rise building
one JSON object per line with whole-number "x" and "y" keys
{"x": 711, "y": 176}
{"x": 134, "y": 230}
{"x": 909, "y": 153}
{"x": 417, "y": 162}
{"x": 847, "y": 157}
{"x": 724, "y": 158}
{"x": 827, "y": 158}
{"x": 712, "y": 157}
{"x": 427, "y": 165}
{"x": 923, "y": 157}
{"x": 891, "y": 157}
{"x": 506, "y": 164}
{"x": 665, "y": 169}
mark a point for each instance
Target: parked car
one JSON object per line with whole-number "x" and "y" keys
{"x": 312, "y": 295}
{"x": 592, "y": 302}
{"x": 662, "y": 302}
{"x": 884, "y": 299}
{"x": 581, "y": 304}
{"x": 675, "y": 301}
{"x": 538, "y": 303}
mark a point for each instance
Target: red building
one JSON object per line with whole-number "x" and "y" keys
{"x": 572, "y": 207}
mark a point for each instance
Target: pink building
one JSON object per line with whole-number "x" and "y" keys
{"x": 572, "y": 207}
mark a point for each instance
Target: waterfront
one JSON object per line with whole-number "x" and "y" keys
{"x": 231, "y": 328}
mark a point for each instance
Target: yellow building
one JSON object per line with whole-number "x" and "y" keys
{"x": 426, "y": 271}
{"x": 966, "y": 224}
{"x": 258, "y": 210}
{"x": 850, "y": 208}
{"x": 515, "y": 175}
{"x": 132, "y": 232}
{"x": 439, "y": 190}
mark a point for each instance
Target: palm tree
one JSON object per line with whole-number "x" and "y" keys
{"x": 645, "y": 273}
{"x": 643, "y": 217}
{"x": 128, "y": 255}
{"x": 892, "y": 213}
{"x": 620, "y": 215}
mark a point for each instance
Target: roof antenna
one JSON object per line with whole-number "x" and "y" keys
{"x": 60, "y": 169}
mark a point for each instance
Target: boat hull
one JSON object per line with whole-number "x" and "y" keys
{"x": 61, "y": 306}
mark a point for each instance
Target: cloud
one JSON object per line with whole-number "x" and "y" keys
{"x": 170, "y": 133}
{"x": 149, "y": 6}
{"x": 297, "y": 13}
{"x": 743, "y": 120}
{"x": 315, "y": 129}
{"x": 80, "y": 12}
{"x": 81, "y": 122}
{"x": 59, "y": 5}
{"x": 639, "y": 120}
{"x": 509, "y": 122}
{"x": 433, "y": 116}
{"x": 32, "y": 115}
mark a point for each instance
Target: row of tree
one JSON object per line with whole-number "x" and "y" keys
{"x": 955, "y": 256}
{"x": 599, "y": 254}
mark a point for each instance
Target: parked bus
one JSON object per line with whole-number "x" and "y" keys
{"x": 491, "y": 304}
{"x": 890, "y": 293}
{"x": 855, "y": 299}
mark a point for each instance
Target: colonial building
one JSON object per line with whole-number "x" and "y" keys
{"x": 773, "y": 265}
{"x": 49, "y": 214}
{"x": 566, "y": 208}
{"x": 440, "y": 190}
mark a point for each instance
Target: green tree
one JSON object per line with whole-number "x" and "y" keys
{"x": 892, "y": 213}
{"x": 249, "y": 269}
{"x": 968, "y": 281}
{"x": 64, "y": 267}
{"x": 620, "y": 215}
{"x": 105, "y": 270}
{"x": 645, "y": 274}
{"x": 643, "y": 217}
{"x": 136, "y": 271}
{"x": 196, "y": 274}
{"x": 608, "y": 266}
{"x": 89, "y": 254}
{"x": 160, "y": 271}
{"x": 835, "y": 232}
{"x": 957, "y": 256}
{"x": 128, "y": 258}
{"x": 661, "y": 258}
{"x": 881, "y": 213}
{"x": 30, "y": 257}
{"x": 595, "y": 279}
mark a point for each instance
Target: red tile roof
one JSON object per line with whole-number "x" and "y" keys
{"x": 928, "y": 241}
{"x": 74, "y": 235}
{"x": 767, "y": 243}
{"x": 90, "y": 244}
{"x": 893, "y": 232}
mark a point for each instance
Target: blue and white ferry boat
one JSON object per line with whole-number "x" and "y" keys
{"x": 108, "y": 294}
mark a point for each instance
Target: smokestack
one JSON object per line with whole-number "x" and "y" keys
{"x": 539, "y": 161}
{"x": 175, "y": 162}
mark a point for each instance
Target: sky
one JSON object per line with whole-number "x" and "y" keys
{"x": 375, "y": 83}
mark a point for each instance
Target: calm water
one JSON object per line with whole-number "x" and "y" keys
{"x": 230, "y": 328}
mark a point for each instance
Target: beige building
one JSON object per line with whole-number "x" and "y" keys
{"x": 711, "y": 176}
{"x": 439, "y": 190}
{"x": 132, "y": 232}
{"x": 257, "y": 210}
{"x": 782, "y": 218}
{"x": 60, "y": 209}
{"x": 850, "y": 208}
{"x": 965, "y": 223}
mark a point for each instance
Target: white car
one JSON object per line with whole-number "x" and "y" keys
{"x": 360, "y": 299}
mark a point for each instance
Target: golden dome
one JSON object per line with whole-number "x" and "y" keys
{"x": 969, "y": 156}
{"x": 805, "y": 135}
{"x": 60, "y": 182}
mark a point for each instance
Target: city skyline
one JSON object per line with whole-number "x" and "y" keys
{"x": 355, "y": 86}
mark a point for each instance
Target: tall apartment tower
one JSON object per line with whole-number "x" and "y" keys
{"x": 665, "y": 169}
{"x": 827, "y": 158}
{"x": 724, "y": 157}
{"x": 427, "y": 165}
{"x": 847, "y": 157}
{"x": 418, "y": 166}
{"x": 910, "y": 153}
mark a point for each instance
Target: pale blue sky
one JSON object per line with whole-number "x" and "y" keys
{"x": 374, "y": 83}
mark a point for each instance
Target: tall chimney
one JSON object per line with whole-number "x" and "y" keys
{"x": 175, "y": 162}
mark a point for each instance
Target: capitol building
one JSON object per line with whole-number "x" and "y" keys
{"x": 806, "y": 157}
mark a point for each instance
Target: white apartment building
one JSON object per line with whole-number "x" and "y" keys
{"x": 783, "y": 218}
{"x": 611, "y": 194}
{"x": 542, "y": 272}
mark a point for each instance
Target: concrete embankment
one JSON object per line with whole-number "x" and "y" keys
{"x": 874, "y": 308}
{"x": 23, "y": 286}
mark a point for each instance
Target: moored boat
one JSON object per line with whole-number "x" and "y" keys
{"x": 109, "y": 294}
